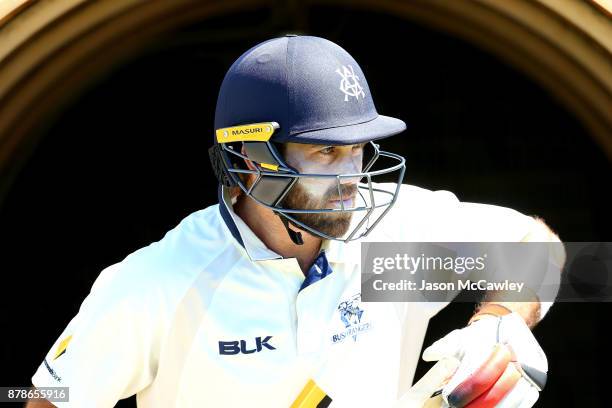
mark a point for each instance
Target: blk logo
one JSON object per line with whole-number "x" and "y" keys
{"x": 349, "y": 84}
{"x": 241, "y": 347}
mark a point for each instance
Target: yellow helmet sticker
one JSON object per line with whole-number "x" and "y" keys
{"x": 272, "y": 167}
{"x": 255, "y": 132}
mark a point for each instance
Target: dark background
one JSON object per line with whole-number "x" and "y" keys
{"x": 127, "y": 160}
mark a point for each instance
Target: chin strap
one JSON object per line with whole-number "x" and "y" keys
{"x": 295, "y": 236}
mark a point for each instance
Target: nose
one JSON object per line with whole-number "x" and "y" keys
{"x": 350, "y": 165}
{"x": 345, "y": 180}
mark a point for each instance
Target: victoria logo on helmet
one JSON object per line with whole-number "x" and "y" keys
{"x": 349, "y": 84}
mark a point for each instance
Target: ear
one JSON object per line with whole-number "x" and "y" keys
{"x": 249, "y": 163}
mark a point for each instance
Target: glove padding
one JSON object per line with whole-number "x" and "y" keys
{"x": 502, "y": 364}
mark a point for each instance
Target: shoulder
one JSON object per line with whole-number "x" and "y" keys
{"x": 419, "y": 197}
{"x": 163, "y": 271}
{"x": 414, "y": 206}
{"x": 422, "y": 214}
{"x": 414, "y": 197}
{"x": 123, "y": 324}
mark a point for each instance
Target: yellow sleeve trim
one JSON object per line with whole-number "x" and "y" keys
{"x": 255, "y": 132}
{"x": 62, "y": 347}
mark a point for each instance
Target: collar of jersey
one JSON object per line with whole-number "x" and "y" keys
{"x": 335, "y": 251}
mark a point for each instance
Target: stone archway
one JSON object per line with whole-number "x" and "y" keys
{"x": 49, "y": 50}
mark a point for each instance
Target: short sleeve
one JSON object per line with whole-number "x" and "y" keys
{"x": 106, "y": 352}
{"x": 490, "y": 223}
{"x": 422, "y": 215}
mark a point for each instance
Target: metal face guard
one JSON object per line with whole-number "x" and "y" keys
{"x": 274, "y": 180}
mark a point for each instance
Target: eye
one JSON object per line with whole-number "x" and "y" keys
{"x": 327, "y": 150}
{"x": 359, "y": 146}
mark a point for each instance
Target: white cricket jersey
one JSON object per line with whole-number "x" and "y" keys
{"x": 210, "y": 317}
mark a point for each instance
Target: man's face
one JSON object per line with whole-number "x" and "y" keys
{"x": 322, "y": 193}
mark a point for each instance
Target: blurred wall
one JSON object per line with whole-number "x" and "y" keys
{"x": 106, "y": 113}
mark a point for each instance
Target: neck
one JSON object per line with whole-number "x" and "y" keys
{"x": 270, "y": 229}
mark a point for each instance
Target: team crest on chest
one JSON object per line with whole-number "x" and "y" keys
{"x": 352, "y": 316}
{"x": 349, "y": 84}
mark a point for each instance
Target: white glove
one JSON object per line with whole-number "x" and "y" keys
{"x": 502, "y": 364}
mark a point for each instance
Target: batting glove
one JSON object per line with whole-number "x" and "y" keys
{"x": 501, "y": 364}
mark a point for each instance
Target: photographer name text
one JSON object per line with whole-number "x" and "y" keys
{"x": 407, "y": 285}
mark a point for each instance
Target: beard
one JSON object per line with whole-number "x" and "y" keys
{"x": 333, "y": 224}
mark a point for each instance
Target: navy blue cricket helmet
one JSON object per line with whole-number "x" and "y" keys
{"x": 299, "y": 89}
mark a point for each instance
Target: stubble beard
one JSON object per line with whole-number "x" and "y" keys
{"x": 333, "y": 224}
